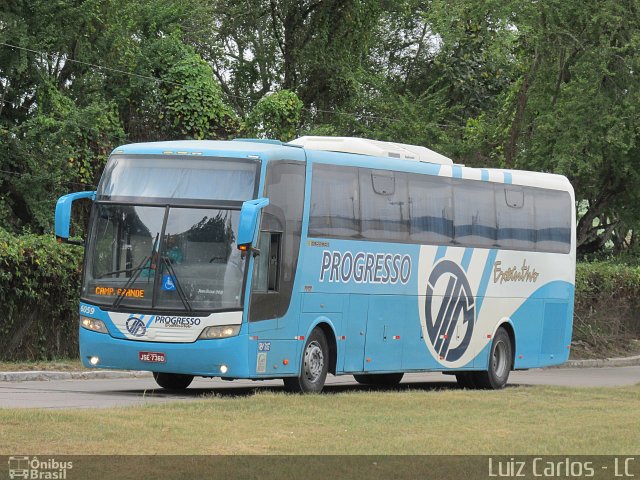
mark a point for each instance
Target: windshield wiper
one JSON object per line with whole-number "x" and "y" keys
{"x": 137, "y": 270}
{"x": 172, "y": 273}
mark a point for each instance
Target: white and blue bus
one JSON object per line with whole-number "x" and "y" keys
{"x": 258, "y": 259}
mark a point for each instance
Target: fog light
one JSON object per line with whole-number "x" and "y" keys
{"x": 224, "y": 369}
{"x": 94, "y": 360}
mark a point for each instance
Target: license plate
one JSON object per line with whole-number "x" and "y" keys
{"x": 156, "y": 357}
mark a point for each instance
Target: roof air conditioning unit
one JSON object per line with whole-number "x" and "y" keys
{"x": 375, "y": 148}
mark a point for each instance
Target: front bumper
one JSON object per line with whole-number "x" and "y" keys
{"x": 200, "y": 358}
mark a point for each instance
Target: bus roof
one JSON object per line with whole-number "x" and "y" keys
{"x": 248, "y": 148}
{"x": 348, "y": 151}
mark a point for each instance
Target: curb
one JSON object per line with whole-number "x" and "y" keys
{"x": 601, "y": 362}
{"x": 29, "y": 376}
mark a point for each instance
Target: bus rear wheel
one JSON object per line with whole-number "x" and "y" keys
{"x": 315, "y": 366}
{"x": 500, "y": 363}
{"x": 172, "y": 381}
{"x": 379, "y": 379}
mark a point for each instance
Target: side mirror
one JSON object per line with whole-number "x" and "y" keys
{"x": 63, "y": 215}
{"x": 248, "y": 224}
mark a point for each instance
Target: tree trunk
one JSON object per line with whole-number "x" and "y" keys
{"x": 521, "y": 105}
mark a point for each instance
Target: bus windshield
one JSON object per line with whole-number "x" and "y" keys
{"x": 164, "y": 258}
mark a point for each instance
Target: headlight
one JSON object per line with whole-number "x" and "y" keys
{"x": 93, "y": 324}
{"x": 223, "y": 331}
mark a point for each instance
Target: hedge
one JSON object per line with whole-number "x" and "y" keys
{"x": 607, "y": 301}
{"x": 40, "y": 283}
{"x": 39, "y": 288}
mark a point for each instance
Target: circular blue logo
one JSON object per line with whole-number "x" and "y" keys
{"x": 136, "y": 327}
{"x": 457, "y": 307}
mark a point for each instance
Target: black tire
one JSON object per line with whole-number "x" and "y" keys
{"x": 313, "y": 367}
{"x": 380, "y": 379}
{"x": 500, "y": 363}
{"x": 466, "y": 380}
{"x": 172, "y": 381}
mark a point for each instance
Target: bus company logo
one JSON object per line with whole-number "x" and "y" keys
{"x": 176, "y": 322}
{"x": 136, "y": 327}
{"x": 456, "y": 308}
{"x": 365, "y": 267}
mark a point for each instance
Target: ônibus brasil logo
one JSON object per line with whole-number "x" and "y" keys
{"x": 136, "y": 327}
{"x": 457, "y": 305}
{"x": 28, "y": 467}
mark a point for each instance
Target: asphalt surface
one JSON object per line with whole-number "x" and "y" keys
{"x": 122, "y": 392}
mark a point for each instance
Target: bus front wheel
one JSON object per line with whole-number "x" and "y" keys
{"x": 172, "y": 381}
{"x": 315, "y": 365}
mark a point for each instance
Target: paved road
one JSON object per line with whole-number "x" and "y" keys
{"x": 132, "y": 391}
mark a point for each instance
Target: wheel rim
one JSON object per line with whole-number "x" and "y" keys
{"x": 499, "y": 360}
{"x": 313, "y": 362}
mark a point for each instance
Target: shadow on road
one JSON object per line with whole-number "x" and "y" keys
{"x": 231, "y": 391}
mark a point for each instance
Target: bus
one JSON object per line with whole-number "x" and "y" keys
{"x": 256, "y": 259}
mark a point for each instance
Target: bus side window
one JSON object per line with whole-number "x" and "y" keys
{"x": 553, "y": 221}
{"x": 515, "y": 215}
{"x": 266, "y": 275}
{"x": 384, "y": 205}
{"x": 474, "y": 214}
{"x": 335, "y": 202}
{"x": 430, "y": 210}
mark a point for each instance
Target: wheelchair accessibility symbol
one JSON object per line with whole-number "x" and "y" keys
{"x": 167, "y": 283}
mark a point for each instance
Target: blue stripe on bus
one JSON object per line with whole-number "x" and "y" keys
{"x": 466, "y": 258}
{"x": 508, "y": 178}
{"x": 485, "y": 174}
{"x": 484, "y": 282}
{"x": 457, "y": 171}
{"x": 441, "y": 252}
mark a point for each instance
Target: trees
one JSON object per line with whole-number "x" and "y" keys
{"x": 575, "y": 110}
{"x": 73, "y": 90}
{"x": 275, "y": 116}
{"x": 538, "y": 85}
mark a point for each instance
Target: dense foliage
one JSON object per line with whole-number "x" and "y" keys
{"x": 39, "y": 296}
{"x": 606, "y": 304}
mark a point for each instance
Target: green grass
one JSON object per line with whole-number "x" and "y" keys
{"x": 518, "y": 420}
{"x": 61, "y": 365}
